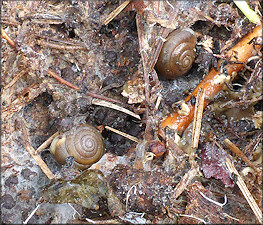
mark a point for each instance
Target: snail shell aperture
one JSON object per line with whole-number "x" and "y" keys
{"x": 84, "y": 143}
{"x": 178, "y": 54}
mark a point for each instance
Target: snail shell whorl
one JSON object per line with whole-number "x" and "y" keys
{"x": 84, "y": 143}
{"x": 178, "y": 54}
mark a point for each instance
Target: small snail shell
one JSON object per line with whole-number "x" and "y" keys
{"x": 178, "y": 54}
{"x": 84, "y": 143}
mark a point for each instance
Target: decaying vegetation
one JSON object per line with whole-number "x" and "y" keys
{"x": 186, "y": 151}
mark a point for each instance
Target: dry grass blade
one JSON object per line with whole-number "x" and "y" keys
{"x": 46, "y": 143}
{"x": 198, "y": 114}
{"x": 116, "y": 12}
{"x": 114, "y": 106}
{"x": 60, "y": 46}
{"x": 241, "y": 184}
{"x": 238, "y": 152}
{"x": 135, "y": 139}
{"x": 43, "y": 166}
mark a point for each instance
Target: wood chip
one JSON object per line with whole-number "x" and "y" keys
{"x": 116, "y": 12}
{"x": 135, "y": 139}
{"x": 241, "y": 184}
{"x": 114, "y": 106}
{"x": 198, "y": 114}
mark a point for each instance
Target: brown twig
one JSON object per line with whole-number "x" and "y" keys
{"x": 239, "y": 153}
{"x": 103, "y": 97}
{"x": 214, "y": 81}
{"x": 231, "y": 104}
{"x": 61, "y": 80}
{"x": 9, "y": 40}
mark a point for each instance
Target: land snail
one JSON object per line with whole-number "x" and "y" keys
{"x": 178, "y": 54}
{"x": 84, "y": 143}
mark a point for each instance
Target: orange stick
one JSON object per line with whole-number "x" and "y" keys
{"x": 9, "y": 40}
{"x": 242, "y": 52}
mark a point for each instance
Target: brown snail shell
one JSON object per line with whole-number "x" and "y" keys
{"x": 178, "y": 54}
{"x": 84, "y": 143}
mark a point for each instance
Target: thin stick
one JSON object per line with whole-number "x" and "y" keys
{"x": 238, "y": 152}
{"x": 43, "y": 166}
{"x": 135, "y": 139}
{"x": 116, "y": 12}
{"x": 103, "y": 97}
{"x": 61, "y": 80}
{"x": 60, "y": 46}
{"x": 241, "y": 184}
{"x": 198, "y": 118}
{"x": 16, "y": 78}
{"x": 116, "y": 107}
{"x": 9, "y": 40}
{"x": 214, "y": 81}
{"x": 46, "y": 143}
